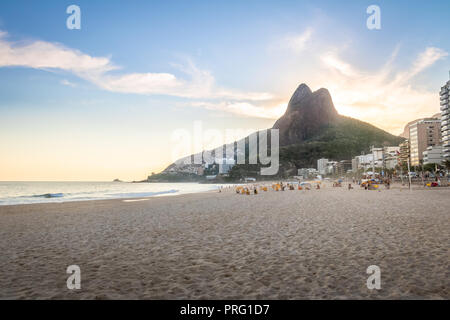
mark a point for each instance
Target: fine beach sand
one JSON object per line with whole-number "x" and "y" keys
{"x": 277, "y": 245}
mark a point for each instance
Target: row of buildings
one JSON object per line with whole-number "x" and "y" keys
{"x": 445, "y": 118}
{"x": 219, "y": 167}
{"x": 427, "y": 141}
{"x": 385, "y": 157}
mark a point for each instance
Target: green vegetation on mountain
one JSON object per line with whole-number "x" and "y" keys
{"x": 342, "y": 140}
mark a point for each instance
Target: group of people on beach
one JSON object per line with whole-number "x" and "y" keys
{"x": 368, "y": 184}
{"x": 371, "y": 184}
{"x": 275, "y": 187}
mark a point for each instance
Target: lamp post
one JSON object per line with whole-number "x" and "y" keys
{"x": 409, "y": 175}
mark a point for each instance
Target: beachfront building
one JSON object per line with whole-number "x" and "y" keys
{"x": 423, "y": 134}
{"x": 322, "y": 166}
{"x": 433, "y": 155}
{"x": 390, "y": 157}
{"x": 391, "y": 151}
{"x": 377, "y": 157}
{"x": 368, "y": 161}
{"x": 343, "y": 167}
{"x": 385, "y": 157}
{"x": 391, "y": 163}
{"x": 307, "y": 173}
{"x": 403, "y": 157}
{"x": 445, "y": 118}
{"x": 355, "y": 164}
{"x": 363, "y": 161}
{"x": 332, "y": 167}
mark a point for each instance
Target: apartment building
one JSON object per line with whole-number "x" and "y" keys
{"x": 445, "y": 118}
{"x": 423, "y": 134}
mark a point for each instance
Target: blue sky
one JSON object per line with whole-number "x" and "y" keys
{"x": 102, "y": 102}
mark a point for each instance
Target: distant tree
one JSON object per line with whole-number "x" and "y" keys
{"x": 429, "y": 167}
{"x": 403, "y": 167}
{"x": 446, "y": 164}
{"x": 241, "y": 171}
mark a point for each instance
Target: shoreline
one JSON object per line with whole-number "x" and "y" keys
{"x": 415, "y": 187}
{"x": 83, "y": 202}
{"x": 121, "y": 194}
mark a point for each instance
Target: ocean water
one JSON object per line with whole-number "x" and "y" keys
{"x": 13, "y": 193}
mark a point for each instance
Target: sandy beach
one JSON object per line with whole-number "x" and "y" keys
{"x": 313, "y": 244}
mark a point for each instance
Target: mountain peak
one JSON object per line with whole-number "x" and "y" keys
{"x": 307, "y": 113}
{"x": 323, "y": 91}
{"x": 302, "y": 92}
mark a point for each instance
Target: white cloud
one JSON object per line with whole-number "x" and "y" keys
{"x": 52, "y": 56}
{"x": 142, "y": 83}
{"x": 297, "y": 43}
{"x": 332, "y": 60}
{"x": 423, "y": 61}
{"x": 45, "y": 55}
{"x": 68, "y": 83}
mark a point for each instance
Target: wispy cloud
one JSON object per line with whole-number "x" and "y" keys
{"x": 425, "y": 59}
{"x": 53, "y": 56}
{"x": 297, "y": 43}
{"x": 68, "y": 83}
{"x": 46, "y": 55}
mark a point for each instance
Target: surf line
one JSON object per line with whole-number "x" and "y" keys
{"x": 135, "y": 200}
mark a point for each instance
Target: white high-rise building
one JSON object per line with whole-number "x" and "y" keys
{"x": 433, "y": 155}
{"x": 445, "y": 120}
{"x": 365, "y": 161}
{"x": 390, "y": 157}
{"x": 377, "y": 157}
{"x": 322, "y": 165}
